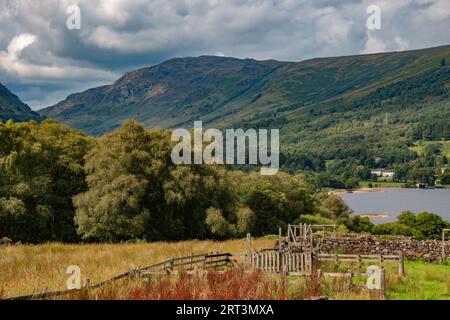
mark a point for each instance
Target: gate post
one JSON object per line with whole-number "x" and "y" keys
{"x": 280, "y": 263}
{"x": 249, "y": 250}
{"x": 401, "y": 265}
{"x": 444, "y": 258}
{"x": 383, "y": 283}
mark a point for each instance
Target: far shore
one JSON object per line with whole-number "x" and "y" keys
{"x": 377, "y": 189}
{"x": 359, "y": 190}
{"x": 375, "y": 216}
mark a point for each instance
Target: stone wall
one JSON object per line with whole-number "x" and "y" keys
{"x": 428, "y": 250}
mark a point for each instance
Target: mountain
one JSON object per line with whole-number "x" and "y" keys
{"x": 164, "y": 95}
{"x": 338, "y": 117}
{"x": 225, "y": 91}
{"x": 12, "y": 108}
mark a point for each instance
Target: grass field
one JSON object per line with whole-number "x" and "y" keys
{"x": 34, "y": 268}
{"x": 423, "y": 281}
{"x": 381, "y": 184}
{"x": 26, "y": 269}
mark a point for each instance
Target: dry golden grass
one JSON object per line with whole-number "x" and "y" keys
{"x": 234, "y": 284}
{"x": 26, "y": 269}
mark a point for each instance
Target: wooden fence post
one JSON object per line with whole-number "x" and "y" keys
{"x": 383, "y": 283}
{"x": 401, "y": 265}
{"x": 204, "y": 262}
{"x": 350, "y": 278}
{"x": 249, "y": 250}
{"x": 443, "y": 245}
{"x": 279, "y": 249}
{"x": 336, "y": 261}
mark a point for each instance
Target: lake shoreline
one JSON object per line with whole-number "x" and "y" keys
{"x": 359, "y": 190}
{"x": 380, "y": 189}
{"x": 385, "y": 204}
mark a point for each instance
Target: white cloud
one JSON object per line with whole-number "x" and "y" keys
{"x": 121, "y": 35}
{"x": 402, "y": 44}
{"x": 11, "y": 62}
{"x": 373, "y": 44}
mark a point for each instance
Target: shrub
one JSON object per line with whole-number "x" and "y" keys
{"x": 430, "y": 225}
{"x": 217, "y": 223}
{"x": 246, "y": 220}
{"x": 396, "y": 228}
{"x": 360, "y": 224}
{"x": 427, "y": 224}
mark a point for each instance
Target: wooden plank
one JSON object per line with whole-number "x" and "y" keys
{"x": 289, "y": 263}
{"x": 274, "y": 261}
{"x": 302, "y": 262}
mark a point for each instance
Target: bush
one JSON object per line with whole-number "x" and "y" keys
{"x": 360, "y": 224}
{"x": 217, "y": 223}
{"x": 246, "y": 220}
{"x": 429, "y": 225}
{"x": 396, "y": 228}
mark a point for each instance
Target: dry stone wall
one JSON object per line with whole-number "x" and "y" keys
{"x": 428, "y": 250}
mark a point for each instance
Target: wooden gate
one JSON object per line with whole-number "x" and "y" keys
{"x": 288, "y": 262}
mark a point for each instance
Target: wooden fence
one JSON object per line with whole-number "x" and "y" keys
{"x": 188, "y": 264}
{"x": 276, "y": 262}
{"x": 357, "y": 261}
{"x": 298, "y": 232}
{"x": 350, "y": 275}
{"x": 210, "y": 261}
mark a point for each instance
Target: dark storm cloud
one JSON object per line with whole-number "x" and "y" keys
{"x": 44, "y": 61}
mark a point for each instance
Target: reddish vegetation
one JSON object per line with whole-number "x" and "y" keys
{"x": 232, "y": 285}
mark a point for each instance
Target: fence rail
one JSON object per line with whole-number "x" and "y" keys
{"x": 358, "y": 260}
{"x": 350, "y": 275}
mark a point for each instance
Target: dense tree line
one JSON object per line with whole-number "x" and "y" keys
{"x": 41, "y": 168}
{"x": 57, "y": 184}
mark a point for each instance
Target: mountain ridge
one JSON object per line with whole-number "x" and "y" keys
{"x": 11, "y": 107}
{"x": 223, "y": 91}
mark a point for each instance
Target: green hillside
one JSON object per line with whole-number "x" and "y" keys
{"x": 420, "y": 146}
{"x": 223, "y": 91}
{"x": 12, "y": 108}
{"x": 339, "y": 116}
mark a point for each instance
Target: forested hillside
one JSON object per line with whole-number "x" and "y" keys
{"x": 339, "y": 117}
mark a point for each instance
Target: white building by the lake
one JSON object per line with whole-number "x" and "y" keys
{"x": 383, "y": 173}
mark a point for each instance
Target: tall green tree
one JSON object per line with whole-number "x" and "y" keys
{"x": 41, "y": 168}
{"x": 135, "y": 191}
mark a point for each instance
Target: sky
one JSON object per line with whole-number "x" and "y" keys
{"x": 42, "y": 60}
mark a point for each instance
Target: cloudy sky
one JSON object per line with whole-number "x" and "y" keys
{"x": 42, "y": 61}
